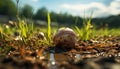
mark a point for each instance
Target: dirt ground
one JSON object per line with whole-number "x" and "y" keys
{"x": 101, "y": 53}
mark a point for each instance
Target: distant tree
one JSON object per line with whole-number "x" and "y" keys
{"x": 8, "y": 7}
{"x": 27, "y": 11}
{"x": 61, "y": 18}
{"x": 112, "y": 21}
{"x": 53, "y": 16}
{"x": 41, "y": 14}
{"x": 65, "y": 18}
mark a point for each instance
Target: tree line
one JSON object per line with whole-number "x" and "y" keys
{"x": 9, "y": 8}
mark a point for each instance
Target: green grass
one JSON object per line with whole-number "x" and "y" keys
{"x": 89, "y": 31}
{"x": 105, "y": 32}
{"x": 84, "y": 33}
{"x": 49, "y": 29}
{"x": 1, "y": 31}
{"x": 24, "y": 28}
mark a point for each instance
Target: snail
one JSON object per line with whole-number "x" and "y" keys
{"x": 65, "y": 38}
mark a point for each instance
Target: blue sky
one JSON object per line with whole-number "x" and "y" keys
{"x": 100, "y": 8}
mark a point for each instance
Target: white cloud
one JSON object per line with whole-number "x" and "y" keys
{"x": 35, "y": 0}
{"x": 99, "y": 9}
{"x": 115, "y": 7}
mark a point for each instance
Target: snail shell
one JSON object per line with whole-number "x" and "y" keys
{"x": 65, "y": 38}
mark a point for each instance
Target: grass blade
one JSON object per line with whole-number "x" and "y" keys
{"x": 49, "y": 28}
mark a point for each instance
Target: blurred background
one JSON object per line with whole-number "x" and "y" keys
{"x": 63, "y": 12}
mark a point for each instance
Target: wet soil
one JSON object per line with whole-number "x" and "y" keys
{"x": 101, "y": 53}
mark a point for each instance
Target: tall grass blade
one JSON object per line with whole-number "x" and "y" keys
{"x": 49, "y": 28}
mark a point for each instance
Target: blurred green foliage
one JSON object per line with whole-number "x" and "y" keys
{"x": 41, "y": 14}
{"x": 27, "y": 11}
{"x": 8, "y": 7}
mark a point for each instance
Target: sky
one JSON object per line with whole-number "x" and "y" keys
{"x": 98, "y": 8}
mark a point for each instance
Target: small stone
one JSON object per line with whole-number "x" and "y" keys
{"x": 38, "y": 35}
{"x": 41, "y": 36}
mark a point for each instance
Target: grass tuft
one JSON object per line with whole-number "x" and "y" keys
{"x": 84, "y": 33}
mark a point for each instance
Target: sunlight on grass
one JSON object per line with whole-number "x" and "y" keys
{"x": 84, "y": 33}
{"x": 24, "y": 28}
{"x": 49, "y": 28}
